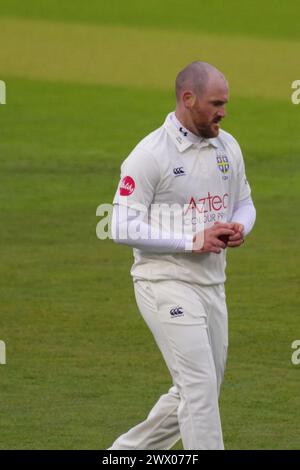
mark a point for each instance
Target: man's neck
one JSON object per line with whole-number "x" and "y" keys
{"x": 187, "y": 123}
{"x": 188, "y": 133}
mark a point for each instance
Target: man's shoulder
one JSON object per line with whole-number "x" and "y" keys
{"x": 151, "y": 147}
{"x": 154, "y": 141}
{"x": 225, "y": 137}
{"x": 147, "y": 151}
{"x": 226, "y": 141}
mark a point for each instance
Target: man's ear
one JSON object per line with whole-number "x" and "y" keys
{"x": 188, "y": 99}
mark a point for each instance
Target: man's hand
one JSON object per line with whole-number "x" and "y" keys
{"x": 237, "y": 239}
{"x": 209, "y": 241}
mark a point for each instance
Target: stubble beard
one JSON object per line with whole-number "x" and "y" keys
{"x": 210, "y": 131}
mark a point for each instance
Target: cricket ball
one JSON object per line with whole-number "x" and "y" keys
{"x": 224, "y": 238}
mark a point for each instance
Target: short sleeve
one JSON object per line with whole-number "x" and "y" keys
{"x": 139, "y": 177}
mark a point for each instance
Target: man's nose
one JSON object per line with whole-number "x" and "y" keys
{"x": 222, "y": 112}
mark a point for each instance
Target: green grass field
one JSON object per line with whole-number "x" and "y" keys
{"x": 85, "y": 82}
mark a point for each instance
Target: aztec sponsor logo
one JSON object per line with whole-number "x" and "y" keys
{"x": 179, "y": 171}
{"x": 209, "y": 203}
{"x": 176, "y": 312}
{"x": 127, "y": 186}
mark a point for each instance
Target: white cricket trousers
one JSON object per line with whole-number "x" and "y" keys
{"x": 189, "y": 324}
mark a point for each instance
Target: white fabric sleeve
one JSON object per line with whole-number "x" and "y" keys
{"x": 244, "y": 213}
{"x": 140, "y": 175}
{"x": 243, "y": 187}
{"x": 132, "y": 230}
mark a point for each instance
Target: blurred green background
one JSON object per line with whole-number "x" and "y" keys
{"x": 85, "y": 82}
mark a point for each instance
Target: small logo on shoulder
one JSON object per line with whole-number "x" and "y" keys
{"x": 176, "y": 312}
{"x": 179, "y": 171}
{"x": 127, "y": 186}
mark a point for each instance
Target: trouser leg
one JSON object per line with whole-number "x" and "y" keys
{"x": 160, "y": 429}
{"x": 218, "y": 329}
{"x": 190, "y": 351}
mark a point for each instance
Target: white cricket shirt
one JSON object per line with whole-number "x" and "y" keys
{"x": 166, "y": 167}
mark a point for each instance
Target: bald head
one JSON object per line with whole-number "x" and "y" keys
{"x": 201, "y": 94}
{"x": 195, "y": 77}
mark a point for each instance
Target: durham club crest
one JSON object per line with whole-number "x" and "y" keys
{"x": 223, "y": 163}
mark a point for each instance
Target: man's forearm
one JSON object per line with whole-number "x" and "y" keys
{"x": 134, "y": 232}
{"x": 245, "y": 214}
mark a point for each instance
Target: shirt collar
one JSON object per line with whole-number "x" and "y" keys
{"x": 182, "y": 137}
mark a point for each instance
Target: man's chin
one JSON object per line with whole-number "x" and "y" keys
{"x": 215, "y": 129}
{"x": 211, "y": 132}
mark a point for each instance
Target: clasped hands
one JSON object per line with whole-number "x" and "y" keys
{"x": 218, "y": 237}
